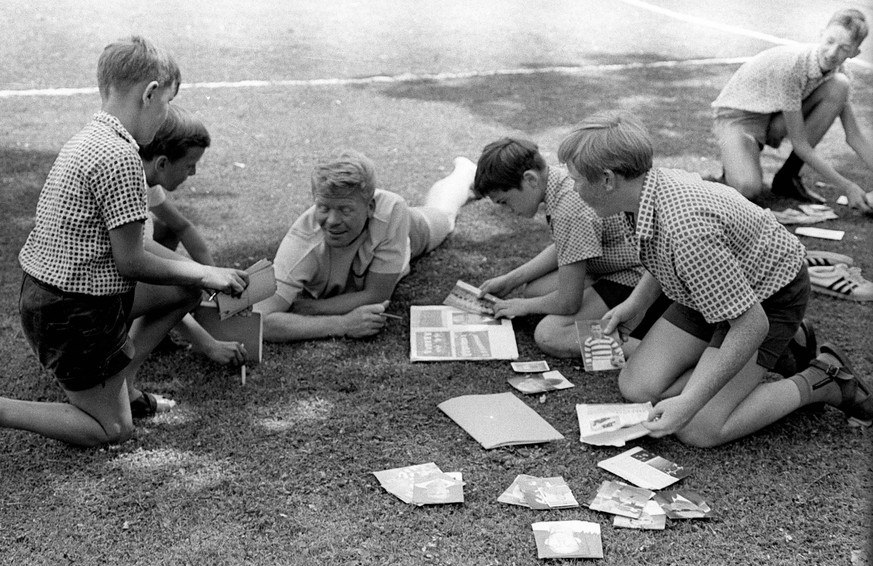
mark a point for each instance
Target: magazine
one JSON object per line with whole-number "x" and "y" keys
{"x": 600, "y": 352}
{"x": 471, "y": 299}
{"x": 499, "y": 419}
{"x": 612, "y": 424}
{"x": 644, "y": 469}
{"x": 262, "y": 285}
{"x": 441, "y": 334}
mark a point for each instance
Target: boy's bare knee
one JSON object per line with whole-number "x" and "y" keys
{"x": 837, "y": 89}
{"x": 547, "y": 336}
{"x": 635, "y": 390}
{"x": 700, "y": 436}
{"x": 118, "y": 431}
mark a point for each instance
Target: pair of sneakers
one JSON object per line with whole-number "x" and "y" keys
{"x": 833, "y": 274}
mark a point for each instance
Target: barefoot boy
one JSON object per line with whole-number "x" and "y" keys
{"x": 798, "y": 92}
{"x": 168, "y": 161}
{"x": 739, "y": 286}
{"x": 86, "y": 252}
{"x": 512, "y": 172}
{"x": 338, "y": 265}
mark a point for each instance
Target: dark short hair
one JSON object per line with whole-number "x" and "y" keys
{"x": 132, "y": 60}
{"x": 608, "y": 141}
{"x": 853, "y": 21}
{"x": 180, "y": 132}
{"x": 502, "y": 165}
{"x": 350, "y": 174}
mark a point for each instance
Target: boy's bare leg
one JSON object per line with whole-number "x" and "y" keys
{"x": 156, "y": 310}
{"x": 743, "y": 406}
{"x": 556, "y": 334}
{"x": 98, "y": 415}
{"x": 216, "y": 350}
{"x": 741, "y": 160}
{"x": 452, "y": 192}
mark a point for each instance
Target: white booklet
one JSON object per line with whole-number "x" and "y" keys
{"x": 645, "y": 469}
{"x": 612, "y": 424}
{"x": 441, "y": 334}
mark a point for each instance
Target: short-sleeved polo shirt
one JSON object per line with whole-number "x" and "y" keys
{"x": 605, "y": 244}
{"x": 775, "y": 80}
{"x": 304, "y": 262}
{"x": 709, "y": 247}
{"x": 96, "y": 184}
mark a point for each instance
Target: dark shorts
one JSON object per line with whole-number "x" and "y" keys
{"x": 614, "y": 293}
{"x": 784, "y": 309}
{"x": 82, "y": 339}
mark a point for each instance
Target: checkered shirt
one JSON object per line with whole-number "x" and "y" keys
{"x": 606, "y": 244}
{"x": 775, "y": 80}
{"x": 96, "y": 184}
{"x": 711, "y": 249}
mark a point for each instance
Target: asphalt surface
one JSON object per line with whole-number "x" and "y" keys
{"x": 52, "y": 44}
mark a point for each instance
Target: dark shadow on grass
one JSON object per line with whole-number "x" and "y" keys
{"x": 673, "y": 102}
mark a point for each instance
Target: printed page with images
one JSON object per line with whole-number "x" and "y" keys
{"x": 644, "y": 469}
{"x": 441, "y": 334}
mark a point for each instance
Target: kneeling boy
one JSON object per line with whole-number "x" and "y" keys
{"x": 338, "y": 265}
{"x": 739, "y": 285}
{"x": 590, "y": 267}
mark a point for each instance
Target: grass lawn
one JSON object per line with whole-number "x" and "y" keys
{"x": 278, "y": 471}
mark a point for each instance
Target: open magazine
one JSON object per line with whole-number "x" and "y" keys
{"x": 440, "y": 334}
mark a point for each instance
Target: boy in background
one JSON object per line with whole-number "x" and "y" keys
{"x": 86, "y": 252}
{"x": 739, "y": 285}
{"x": 589, "y": 268}
{"x": 337, "y": 266}
{"x": 795, "y": 91}
{"x": 168, "y": 161}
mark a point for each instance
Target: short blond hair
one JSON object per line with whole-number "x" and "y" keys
{"x": 133, "y": 60}
{"x": 350, "y": 174}
{"x": 608, "y": 141}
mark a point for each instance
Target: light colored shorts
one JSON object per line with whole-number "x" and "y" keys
{"x": 428, "y": 228}
{"x": 728, "y": 122}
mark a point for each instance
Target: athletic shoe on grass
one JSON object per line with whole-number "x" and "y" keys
{"x": 841, "y": 281}
{"x": 820, "y": 258}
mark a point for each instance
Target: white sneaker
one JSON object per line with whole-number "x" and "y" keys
{"x": 817, "y": 258}
{"x": 841, "y": 281}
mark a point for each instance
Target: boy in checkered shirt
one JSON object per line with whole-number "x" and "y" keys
{"x": 794, "y": 91}
{"x": 739, "y": 286}
{"x": 591, "y": 265}
{"x": 86, "y": 252}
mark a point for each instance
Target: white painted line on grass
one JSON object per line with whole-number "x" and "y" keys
{"x": 402, "y": 78}
{"x": 736, "y": 30}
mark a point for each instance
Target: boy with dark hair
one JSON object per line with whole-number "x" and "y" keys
{"x": 168, "y": 161}
{"x": 793, "y": 91}
{"x": 590, "y": 266}
{"x": 86, "y": 252}
{"x": 337, "y": 266}
{"x": 739, "y": 286}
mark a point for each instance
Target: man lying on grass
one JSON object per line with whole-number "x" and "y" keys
{"x": 337, "y": 266}
{"x": 739, "y": 285}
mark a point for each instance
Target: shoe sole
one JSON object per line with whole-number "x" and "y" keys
{"x": 837, "y": 294}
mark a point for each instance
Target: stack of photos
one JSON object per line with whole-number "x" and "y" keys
{"x": 539, "y": 493}
{"x": 568, "y": 539}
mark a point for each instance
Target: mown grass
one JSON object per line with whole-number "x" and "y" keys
{"x": 278, "y": 471}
